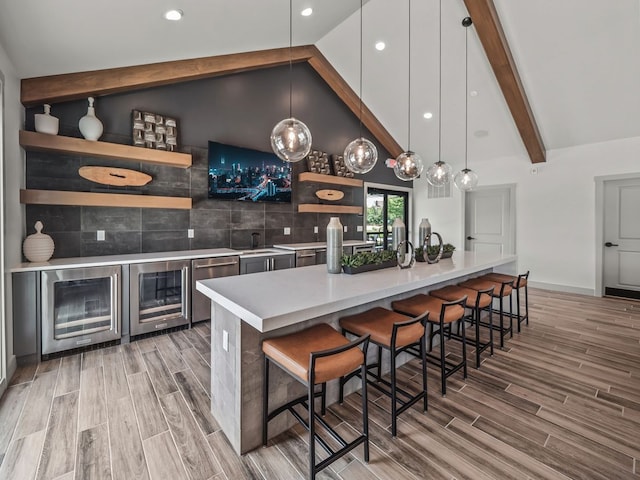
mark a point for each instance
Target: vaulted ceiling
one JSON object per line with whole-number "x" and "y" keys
{"x": 575, "y": 58}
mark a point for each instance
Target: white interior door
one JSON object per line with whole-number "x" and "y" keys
{"x": 621, "y": 250}
{"x": 489, "y": 225}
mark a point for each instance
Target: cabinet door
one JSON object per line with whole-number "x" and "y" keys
{"x": 280, "y": 262}
{"x": 253, "y": 265}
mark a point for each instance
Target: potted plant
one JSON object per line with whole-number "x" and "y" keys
{"x": 368, "y": 261}
{"x": 447, "y": 251}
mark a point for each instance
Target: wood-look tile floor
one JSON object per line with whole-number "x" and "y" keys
{"x": 562, "y": 400}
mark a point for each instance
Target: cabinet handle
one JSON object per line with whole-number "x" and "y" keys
{"x": 115, "y": 301}
{"x": 185, "y": 279}
{"x": 213, "y": 265}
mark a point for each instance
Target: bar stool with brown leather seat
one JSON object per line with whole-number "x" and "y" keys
{"x": 396, "y": 333}
{"x": 442, "y": 315}
{"x": 313, "y": 357}
{"x": 477, "y": 301}
{"x": 519, "y": 281}
{"x": 501, "y": 290}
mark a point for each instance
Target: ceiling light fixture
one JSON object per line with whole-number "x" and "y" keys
{"x": 409, "y": 164}
{"x": 466, "y": 179}
{"x": 291, "y": 138}
{"x": 428, "y": 115}
{"x": 173, "y": 15}
{"x": 439, "y": 174}
{"x": 380, "y": 46}
{"x": 361, "y": 154}
{"x": 306, "y": 12}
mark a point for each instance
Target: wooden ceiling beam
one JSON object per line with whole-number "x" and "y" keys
{"x": 487, "y": 24}
{"x": 75, "y": 86}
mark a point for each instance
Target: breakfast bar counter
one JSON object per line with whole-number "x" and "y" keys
{"x": 248, "y": 309}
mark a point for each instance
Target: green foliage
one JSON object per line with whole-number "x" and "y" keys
{"x": 368, "y": 258}
{"x": 433, "y": 250}
{"x": 395, "y": 210}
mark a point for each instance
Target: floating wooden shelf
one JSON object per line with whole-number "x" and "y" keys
{"x": 90, "y": 199}
{"x": 41, "y": 142}
{"x": 332, "y": 179}
{"x": 316, "y": 208}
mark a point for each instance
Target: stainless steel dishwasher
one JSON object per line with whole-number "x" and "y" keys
{"x": 202, "y": 269}
{"x": 305, "y": 258}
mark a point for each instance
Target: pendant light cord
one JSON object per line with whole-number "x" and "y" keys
{"x": 290, "y": 58}
{"x": 440, "y": 90}
{"x": 466, "y": 94}
{"x": 409, "y": 93}
{"x": 360, "y": 128}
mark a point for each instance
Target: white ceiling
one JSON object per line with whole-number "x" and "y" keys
{"x": 576, "y": 58}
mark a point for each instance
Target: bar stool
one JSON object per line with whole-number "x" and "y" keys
{"x": 477, "y": 301}
{"x": 449, "y": 312}
{"x": 501, "y": 289}
{"x": 396, "y": 333}
{"x": 519, "y": 281}
{"x": 313, "y": 357}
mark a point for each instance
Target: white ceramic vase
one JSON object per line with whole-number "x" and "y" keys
{"x": 90, "y": 125}
{"x": 45, "y": 122}
{"x": 38, "y": 247}
{"x": 334, "y": 245}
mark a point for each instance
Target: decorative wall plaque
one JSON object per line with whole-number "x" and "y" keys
{"x": 339, "y": 168}
{"x": 318, "y": 162}
{"x": 153, "y": 130}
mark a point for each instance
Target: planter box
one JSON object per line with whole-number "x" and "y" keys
{"x": 420, "y": 258}
{"x": 369, "y": 268}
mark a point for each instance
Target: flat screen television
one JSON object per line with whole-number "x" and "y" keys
{"x": 244, "y": 174}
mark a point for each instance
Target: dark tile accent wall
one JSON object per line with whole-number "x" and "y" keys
{"x": 237, "y": 109}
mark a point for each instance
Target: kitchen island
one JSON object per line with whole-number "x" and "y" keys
{"x": 248, "y": 309}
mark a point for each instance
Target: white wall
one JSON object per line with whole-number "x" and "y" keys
{"x": 13, "y": 180}
{"x": 555, "y": 209}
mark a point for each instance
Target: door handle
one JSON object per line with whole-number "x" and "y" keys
{"x": 470, "y": 238}
{"x": 609, "y": 244}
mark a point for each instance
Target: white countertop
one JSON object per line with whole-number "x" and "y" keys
{"x": 79, "y": 262}
{"x": 314, "y": 245}
{"x": 272, "y": 300}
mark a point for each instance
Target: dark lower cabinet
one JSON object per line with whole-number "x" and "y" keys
{"x": 266, "y": 264}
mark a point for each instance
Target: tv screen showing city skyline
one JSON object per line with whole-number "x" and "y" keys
{"x": 244, "y": 174}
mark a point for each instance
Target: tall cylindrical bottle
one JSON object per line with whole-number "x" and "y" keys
{"x": 398, "y": 233}
{"x": 424, "y": 229}
{"x": 334, "y": 245}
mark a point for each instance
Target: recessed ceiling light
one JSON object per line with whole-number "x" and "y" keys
{"x": 380, "y": 46}
{"x": 173, "y": 14}
{"x": 473, "y": 93}
{"x": 428, "y": 115}
{"x": 306, "y": 12}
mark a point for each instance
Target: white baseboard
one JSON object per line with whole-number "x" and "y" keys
{"x": 12, "y": 364}
{"x": 563, "y": 288}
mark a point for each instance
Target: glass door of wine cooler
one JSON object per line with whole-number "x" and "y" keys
{"x": 80, "y": 307}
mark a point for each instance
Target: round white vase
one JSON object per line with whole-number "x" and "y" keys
{"x": 38, "y": 247}
{"x": 90, "y": 125}
{"x": 45, "y": 122}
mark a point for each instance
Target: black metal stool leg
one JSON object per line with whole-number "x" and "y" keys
{"x": 394, "y": 404}
{"x": 518, "y": 307}
{"x": 511, "y": 316}
{"x": 312, "y": 430}
{"x": 443, "y": 366}
{"x": 477, "y": 311}
{"x": 501, "y": 323}
{"x": 491, "y": 329}
{"x": 365, "y": 410}
{"x": 265, "y": 401}
{"x": 464, "y": 351}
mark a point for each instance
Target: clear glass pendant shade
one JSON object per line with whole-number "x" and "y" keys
{"x": 291, "y": 140}
{"x": 408, "y": 166}
{"x": 439, "y": 174}
{"x": 360, "y": 156}
{"x": 466, "y": 179}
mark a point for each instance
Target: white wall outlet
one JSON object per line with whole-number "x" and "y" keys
{"x": 100, "y": 235}
{"x": 225, "y": 340}
{"x": 345, "y": 229}
{"x": 190, "y": 233}
{"x": 287, "y": 230}
{"x": 359, "y": 228}
{"x": 315, "y": 229}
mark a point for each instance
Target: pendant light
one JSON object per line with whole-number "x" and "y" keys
{"x": 361, "y": 155}
{"x": 439, "y": 174}
{"x": 291, "y": 138}
{"x": 409, "y": 164}
{"x": 466, "y": 179}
